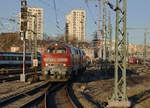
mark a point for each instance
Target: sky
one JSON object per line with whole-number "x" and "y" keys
{"x": 137, "y": 16}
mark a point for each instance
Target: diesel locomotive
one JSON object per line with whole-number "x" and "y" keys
{"x": 61, "y": 61}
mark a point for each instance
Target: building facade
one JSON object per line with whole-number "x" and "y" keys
{"x": 76, "y": 25}
{"x": 32, "y": 12}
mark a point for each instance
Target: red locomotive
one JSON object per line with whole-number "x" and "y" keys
{"x": 60, "y": 61}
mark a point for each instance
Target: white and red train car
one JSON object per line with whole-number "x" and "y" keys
{"x": 10, "y": 60}
{"x": 61, "y": 61}
{"x": 134, "y": 60}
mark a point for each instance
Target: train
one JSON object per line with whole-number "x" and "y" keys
{"x": 15, "y": 60}
{"x": 134, "y": 60}
{"x": 61, "y": 61}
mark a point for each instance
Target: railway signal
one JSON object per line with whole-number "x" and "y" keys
{"x": 23, "y": 34}
{"x": 23, "y": 16}
{"x": 66, "y": 33}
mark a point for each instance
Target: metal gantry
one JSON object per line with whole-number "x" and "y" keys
{"x": 119, "y": 98}
{"x": 33, "y": 40}
{"x": 128, "y": 46}
{"x": 145, "y": 38}
{"x": 105, "y": 45}
{"x": 35, "y": 36}
{"x": 95, "y": 42}
{"x": 99, "y": 24}
{"x": 99, "y": 30}
{"x": 110, "y": 36}
{"x": 104, "y": 34}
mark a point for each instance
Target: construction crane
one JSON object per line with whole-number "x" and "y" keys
{"x": 11, "y": 21}
{"x": 145, "y": 39}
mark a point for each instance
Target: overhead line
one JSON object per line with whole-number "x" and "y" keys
{"x": 55, "y": 12}
{"x": 44, "y": 2}
{"x": 56, "y": 16}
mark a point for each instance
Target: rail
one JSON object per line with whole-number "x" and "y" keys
{"x": 25, "y": 97}
{"x": 12, "y": 77}
{"x": 73, "y": 99}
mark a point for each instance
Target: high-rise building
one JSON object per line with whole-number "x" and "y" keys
{"x": 32, "y": 12}
{"x": 76, "y": 25}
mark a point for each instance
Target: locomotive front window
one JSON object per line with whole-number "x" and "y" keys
{"x": 61, "y": 51}
{"x": 51, "y": 50}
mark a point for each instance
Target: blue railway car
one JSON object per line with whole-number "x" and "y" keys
{"x": 15, "y": 60}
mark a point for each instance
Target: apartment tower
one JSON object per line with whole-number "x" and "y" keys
{"x": 76, "y": 25}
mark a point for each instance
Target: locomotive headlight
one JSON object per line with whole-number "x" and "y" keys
{"x": 46, "y": 64}
{"x": 64, "y": 64}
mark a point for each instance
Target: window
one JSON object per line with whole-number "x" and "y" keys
{"x": 50, "y": 50}
{"x": 76, "y": 51}
{"x": 61, "y": 51}
{"x": 70, "y": 50}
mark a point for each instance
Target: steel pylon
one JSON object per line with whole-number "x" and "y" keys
{"x": 119, "y": 98}
{"x": 104, "y": 31}
{"x": 110, "y": 36}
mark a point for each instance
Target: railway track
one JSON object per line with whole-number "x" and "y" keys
{"x": 62, "y": 97}
{"x": 140, "y": 69}
{"x": 26, "y": 98}
{"x": 12, "y": 71}
{"x": 39, "y": 95}
{"x": 12, "y": 77}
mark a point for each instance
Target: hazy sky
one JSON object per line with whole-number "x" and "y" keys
{"x": 137, "y": 15}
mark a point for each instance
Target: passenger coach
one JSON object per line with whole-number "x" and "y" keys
{"x": 15, "y": 60}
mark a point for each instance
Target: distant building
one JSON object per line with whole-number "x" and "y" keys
{"x": 132, "y": 48}
{"x": 76, "y": 25}
{"x": 30, "y": 26}
{"x": 140, "y": 50}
